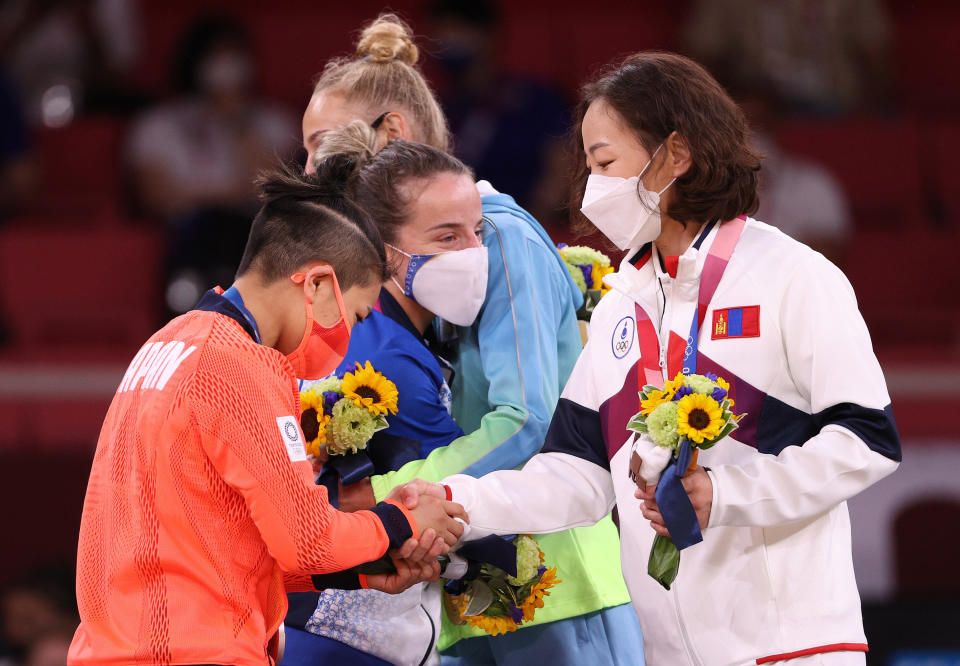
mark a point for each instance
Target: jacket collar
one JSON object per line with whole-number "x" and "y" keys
{"x": 388, "y": 305}
{"x": 213, "y": 301}
{"x": 640, "y": 268}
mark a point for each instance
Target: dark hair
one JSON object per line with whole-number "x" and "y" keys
{"x": 380, "y": 183}
{"x": 199, "y": 39}
{"x": 309, "y": 218}
{"x": 483, "y": 14}
{"x": 657, "y": 94}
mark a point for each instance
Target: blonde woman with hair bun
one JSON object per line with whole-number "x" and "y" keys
{"x": 382, "y": 79}
{"x": 511, "y": 366}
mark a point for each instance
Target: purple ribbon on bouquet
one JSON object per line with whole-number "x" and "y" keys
{"x": 675, "y": 507}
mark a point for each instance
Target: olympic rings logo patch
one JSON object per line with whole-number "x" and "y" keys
{"x": 624, "y": 334}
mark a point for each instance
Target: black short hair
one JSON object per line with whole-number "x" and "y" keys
{"x": 308, "y": 218}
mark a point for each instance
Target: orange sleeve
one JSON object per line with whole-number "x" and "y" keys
{"x": 237, "y": 399}
{"x": 317, "y": 583}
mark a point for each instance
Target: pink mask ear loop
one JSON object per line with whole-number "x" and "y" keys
{"x": 320, "y": 271}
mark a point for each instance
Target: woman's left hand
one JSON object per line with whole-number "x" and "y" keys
{"x": 699, "y": 489}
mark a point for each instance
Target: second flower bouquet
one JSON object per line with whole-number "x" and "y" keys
{"x": 341, "y": 414}
{"x": 689, "y": 414}
{"x": 497, "y": 602}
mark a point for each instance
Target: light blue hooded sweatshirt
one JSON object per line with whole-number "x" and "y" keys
{"x": 513, "y": 363}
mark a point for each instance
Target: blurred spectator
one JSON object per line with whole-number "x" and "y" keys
{"x": 824, "y": 56}
{"x": 507, "y": 127}
{"x": 50, "y": 650}
{"x": 798, "y": 196}
{"x": 39, "y": 617}
{"x": 69, "y": 56}
{"x": 194, "y": 158}
{"x": 17, "y": 166}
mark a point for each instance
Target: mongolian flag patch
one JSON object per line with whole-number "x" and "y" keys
{"x": 736, "y": 323}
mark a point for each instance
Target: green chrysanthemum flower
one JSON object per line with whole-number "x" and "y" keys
{"x": 350, "y": 428}
{"x": 577, "y": 276}
{"x": 528, "y": 561}
{"x": 330, "y": 384}
{"x": 584, "y": 256}
{"x": 662, "y": 425}
{"x": 700, "y": 384}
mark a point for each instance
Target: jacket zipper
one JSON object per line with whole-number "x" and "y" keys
{"x": 667, "y": 306}
{"x": 687, "y": 645}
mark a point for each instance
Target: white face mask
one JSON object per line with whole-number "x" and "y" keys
{"x": 623, "y": 209}
{"x": 452, "y": 285}
{"x": 225, "y": 72}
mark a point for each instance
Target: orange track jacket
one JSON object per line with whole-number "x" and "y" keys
{"x": 201, "y": 511}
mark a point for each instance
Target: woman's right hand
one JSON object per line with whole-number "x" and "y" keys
{"x": 408, "y": 572}
{"x": 438, "y": 514}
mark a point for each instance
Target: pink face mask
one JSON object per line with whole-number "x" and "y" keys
{"x": 322, "y": 348}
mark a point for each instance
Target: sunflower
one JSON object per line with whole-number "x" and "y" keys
{"x": 538, "y": 592}
{"x": 699, "y": 418}
{"x": 654, "y": 399}
{"x": 313, "y": 421}
{"x": 488, "y": 624}
{"x": 657, "y": 397}
{"x": 599, "y": 272}
{"x": 368, "y": 388}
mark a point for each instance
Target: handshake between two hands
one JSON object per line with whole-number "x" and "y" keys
{"x": 440, "y": 527}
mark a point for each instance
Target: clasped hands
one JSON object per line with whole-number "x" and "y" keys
{"x": 416, "y": 559}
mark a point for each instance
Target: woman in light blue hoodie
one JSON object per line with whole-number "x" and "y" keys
{"x": 513, "y": 362}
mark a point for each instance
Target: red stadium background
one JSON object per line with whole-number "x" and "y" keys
{"x": 81, "y": 269}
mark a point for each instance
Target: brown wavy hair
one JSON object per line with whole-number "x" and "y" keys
{"x": 657, "y": 94}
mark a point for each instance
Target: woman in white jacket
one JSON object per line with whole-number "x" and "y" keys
{"x": 668, "y": 176}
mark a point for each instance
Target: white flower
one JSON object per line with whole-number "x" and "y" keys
{"x": 655, "y": 458}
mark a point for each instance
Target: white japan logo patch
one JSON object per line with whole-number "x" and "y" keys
{"x": 290, "y": 433}
{"x": 621, "y": 342}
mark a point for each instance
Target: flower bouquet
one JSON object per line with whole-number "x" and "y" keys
{"x": 587, "y": 268}
{"x": 497, "y": 602}
{"x": 689, "y": 414}
{"x": 341, "y": 414}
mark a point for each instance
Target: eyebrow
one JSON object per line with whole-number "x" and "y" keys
{"x": 444, "y": 225}
{"x": 598, "y": 144}
{"x": 313, "y": 137}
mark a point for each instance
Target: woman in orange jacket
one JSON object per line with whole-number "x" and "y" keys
{"x": 201, "y": 511}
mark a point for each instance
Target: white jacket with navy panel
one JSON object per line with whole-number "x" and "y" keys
{"x": 773, "y": 576}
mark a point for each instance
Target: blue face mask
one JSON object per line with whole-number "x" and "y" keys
{"x": 452, "y": 285}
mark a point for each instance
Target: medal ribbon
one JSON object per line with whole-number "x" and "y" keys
{"x": 672, "y": 499}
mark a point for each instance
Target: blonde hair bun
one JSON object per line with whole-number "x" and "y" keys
{"x": 388, "y": 39}
{"x": 357, "y": 140}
